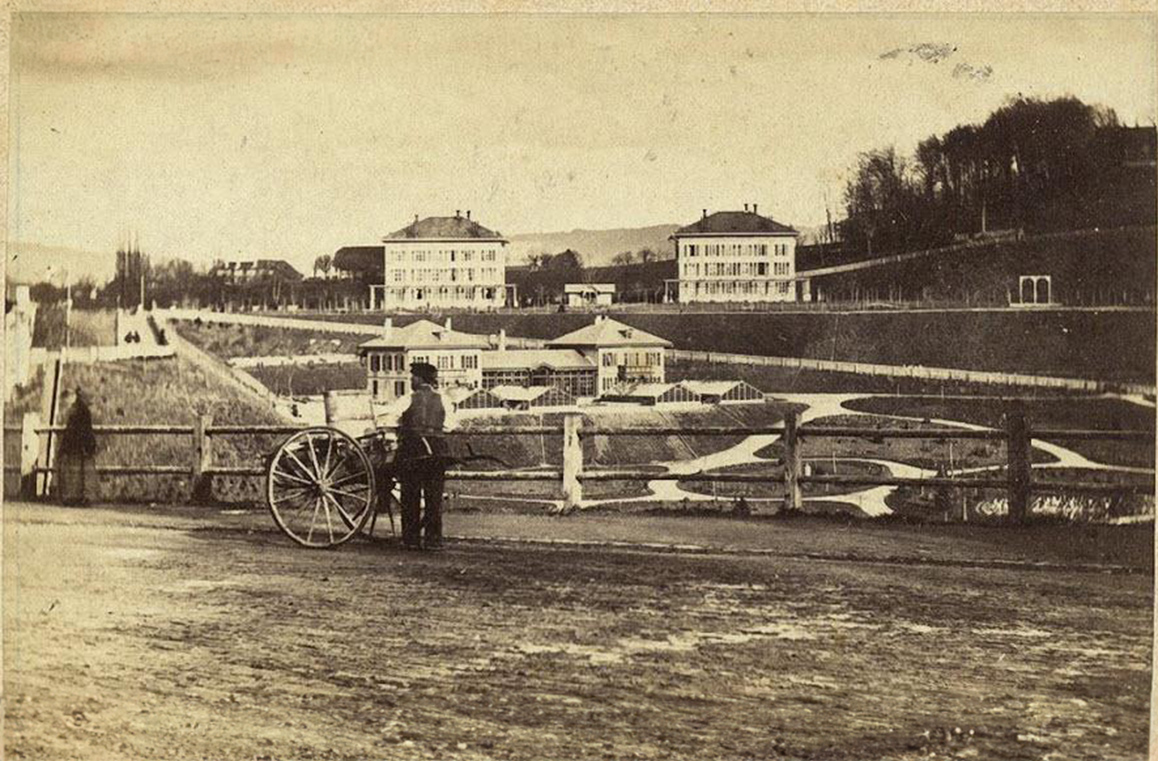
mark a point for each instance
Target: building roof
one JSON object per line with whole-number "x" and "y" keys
{"x": 425, "y": 334}
{"x": 608, "y": 332}
{"x": 519, "y": 393}
{"x": 529, "y": 359}
{"x": 444, "y": 228}
{"x": 643, "y": 390}
{"x": 710, "y": 387}
{"x": 457, "y": 394}
{"x": 734, "y": 223}
{"x": 269, "y": 266}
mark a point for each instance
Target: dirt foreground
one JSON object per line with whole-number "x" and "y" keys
{"x": 205, "y": 635}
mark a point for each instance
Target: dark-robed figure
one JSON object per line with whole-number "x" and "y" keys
{"x": 421, "y": 461}
{"x": 78, "y": 447}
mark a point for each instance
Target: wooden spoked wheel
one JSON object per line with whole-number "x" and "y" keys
{"x": 320, "y": 487}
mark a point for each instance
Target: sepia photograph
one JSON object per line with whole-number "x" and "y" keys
{"x": 531, "y": 384}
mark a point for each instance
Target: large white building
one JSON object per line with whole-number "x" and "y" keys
{"x": 442, "y": 262}
{"x": 735, "y": 256}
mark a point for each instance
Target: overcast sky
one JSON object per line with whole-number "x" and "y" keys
{"x": 289, "y": 136}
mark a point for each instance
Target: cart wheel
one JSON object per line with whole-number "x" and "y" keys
{"x": 320, "y": 487}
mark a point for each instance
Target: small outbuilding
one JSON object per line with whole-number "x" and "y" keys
{"x": 723, "y": 391}
{"x": 481, "y": 399}
{"x": 528, "y": 397}
{"x": 651, "y": 394}
{"x": 589, "y": 294}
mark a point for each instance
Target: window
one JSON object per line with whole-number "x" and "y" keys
{"x": 400, "y": 388}
{"x": 445, "y": 362}
{"x": 399, "y": 275}
{"x": 419, "y": 256}
{"x": 374, "y": 388}
{"x": 375, "y": 365}
{"x": 469, "y": 362}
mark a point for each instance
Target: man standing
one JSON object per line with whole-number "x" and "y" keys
{"x": 78, "y": 446}
{"x": 421, "y": 465}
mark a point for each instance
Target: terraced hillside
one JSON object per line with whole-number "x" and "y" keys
{"x": 1113, "y": 345}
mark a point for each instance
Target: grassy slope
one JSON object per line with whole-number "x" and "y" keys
{"x": 168, "y": 391}
{"x": 1089, "y": 268}
{"x": 229, "y": 341}
{"x": 310, "y": 380}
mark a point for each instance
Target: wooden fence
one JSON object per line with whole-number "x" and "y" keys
{"x": 1017, "y": 435}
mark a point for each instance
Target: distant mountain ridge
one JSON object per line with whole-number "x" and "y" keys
{"x": 598, "y": 247}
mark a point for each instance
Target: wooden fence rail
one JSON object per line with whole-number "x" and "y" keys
{"x": 572, "y": 475}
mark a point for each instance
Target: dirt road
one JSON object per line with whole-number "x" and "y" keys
{"x": 203, "y": 635}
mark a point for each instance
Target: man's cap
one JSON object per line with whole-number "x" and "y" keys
{"x": 425, "y": 371}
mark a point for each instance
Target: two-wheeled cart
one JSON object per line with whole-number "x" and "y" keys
{"x": 324, "y": 486}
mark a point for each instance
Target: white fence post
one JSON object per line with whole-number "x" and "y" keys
{"x": 572, "y": 461}
{"x": 793, "y": 462}
{"x": 202, "y": 460}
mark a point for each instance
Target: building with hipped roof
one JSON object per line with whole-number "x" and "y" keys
{"x": 442, "y": 262}
{"x": 621, "y": 353}
{"x": 388, "y": 358}
{"x": 735, "y": 256}
{"x": 585, "y": 363}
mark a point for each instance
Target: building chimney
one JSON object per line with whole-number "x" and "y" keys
{"x": 468, "y": 213}
{"x": 457, "y": 213}
{"x": 447, "y": 326}
{"x": 745, "y": 207}
{"x": 705, "y": 213}
{"x": 387, "y": 326}
{"x": 415, "y": 219}
{"x": 502, "y": 339}
{"x": 754, "y": 209}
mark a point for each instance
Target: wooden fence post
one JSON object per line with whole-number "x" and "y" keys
{"x": 1017, "y": 446}
{"x": 202, "y": 461}
{"x": 29, "y": 453}
{"x": 792, "y": 462}
{"x": 572, "y": 461}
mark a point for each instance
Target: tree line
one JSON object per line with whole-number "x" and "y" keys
{"x": 637, "y": 275}
{"x": 1033, "y": 165}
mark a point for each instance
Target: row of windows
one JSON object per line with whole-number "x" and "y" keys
{"x": 574, "y": 382}
{"x": 443, "y": 255}
{"x": 376, "y": 387}
{"x": 451, "y": 275}
{"x": 735, "y": 269}
{"x": 735, "y": 249}
{"x": 732, "y": 288}
{"x": 458, "y": 293}
{"x": 394, "y": 363}
{"x": 633, "y": 358}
